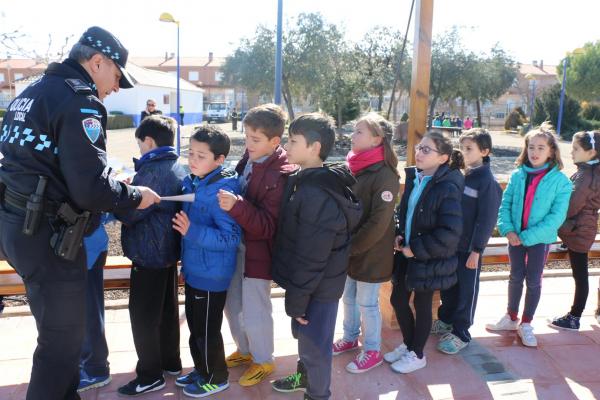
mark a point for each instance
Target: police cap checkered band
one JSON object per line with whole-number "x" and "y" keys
{"x": 107, "y": 44}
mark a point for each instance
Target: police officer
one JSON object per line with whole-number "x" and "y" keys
{"x": 54, "y": 181}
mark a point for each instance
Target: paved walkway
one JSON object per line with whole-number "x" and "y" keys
{"x": 565, "y": 365}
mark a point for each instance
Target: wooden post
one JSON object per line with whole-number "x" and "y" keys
{"x": 417, "y": 123}
{"x": 421, "y": 68}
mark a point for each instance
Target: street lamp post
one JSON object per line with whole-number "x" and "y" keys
{"x": 563, "y": 88}
{"x": 166, "y": 17}
{"x": 278, "y": 55}
{"x": 562, "y": 95}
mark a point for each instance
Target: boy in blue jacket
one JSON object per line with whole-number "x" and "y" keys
{"x": 154, "y": 249}
{"x": 210, "y": 241}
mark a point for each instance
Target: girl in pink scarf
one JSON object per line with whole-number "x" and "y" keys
{"x": 373, "y": 164}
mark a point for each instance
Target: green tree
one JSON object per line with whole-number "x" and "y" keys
{"x": 485, "y": 78}
{"x": 308, "y": 58}
{"x": 448, "y": 62}
{"x": 252, "y": 64}
{"x": 379, "y": 51}
{"x": 308, "y": 48}
{"x": 344, "y": 87}
{"x": 546, "y": 109}
{"x": 583, "y": 72}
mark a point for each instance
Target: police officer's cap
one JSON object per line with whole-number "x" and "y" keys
{"x": 106, "y": 43}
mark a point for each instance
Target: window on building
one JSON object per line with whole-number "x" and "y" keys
{"x": 500, "y": 115}
{"x": 218, "y": 76}
{"x": 166, "y": 99}
{"x": 193, "y": 76}
{"x": 18, "y": 76}
{"x": 1, "y": 77}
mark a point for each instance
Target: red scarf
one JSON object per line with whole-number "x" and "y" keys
{"x": 359, "y": 161}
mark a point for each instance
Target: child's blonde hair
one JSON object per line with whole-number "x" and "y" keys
{"x": 545, "y": 130}
{"x": 379, "y": 126}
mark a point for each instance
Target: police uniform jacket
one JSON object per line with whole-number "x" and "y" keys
{"x": 57, "y": 128}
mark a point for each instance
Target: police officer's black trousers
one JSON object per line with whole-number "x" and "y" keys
{"x": 56, "y": 292}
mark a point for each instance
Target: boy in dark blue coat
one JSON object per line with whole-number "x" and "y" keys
{"x": 318, "y": 214}
{"x": 210, "y": 241}
{"x": 480, "y": 203}
{"x": 154, "y": 249}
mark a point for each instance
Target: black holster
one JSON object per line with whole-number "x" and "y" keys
{"x": 34, "y": 208}
{"x": 68, "y": 237}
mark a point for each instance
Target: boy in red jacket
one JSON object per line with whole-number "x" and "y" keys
{"x": 263, "y": 172}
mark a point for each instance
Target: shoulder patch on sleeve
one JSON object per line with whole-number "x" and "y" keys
{"x": 387, "y": 196}
{"x": 79, "y": 86}
{"x": 92, "y": 128}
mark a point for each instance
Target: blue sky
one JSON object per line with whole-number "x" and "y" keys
{"x": 527, "y": 29}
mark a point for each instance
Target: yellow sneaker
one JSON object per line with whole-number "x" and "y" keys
{"x": 256, "y": 373}
{"x": 236, "y": 359}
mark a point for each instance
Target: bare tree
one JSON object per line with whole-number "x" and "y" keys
{"x": 11, "y": 44}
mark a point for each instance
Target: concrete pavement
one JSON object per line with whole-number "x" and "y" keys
{"x": 564, "y": 366}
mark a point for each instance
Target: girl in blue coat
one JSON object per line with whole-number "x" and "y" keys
{"x": 534, "y": 206}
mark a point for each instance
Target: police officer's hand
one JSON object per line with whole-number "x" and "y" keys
{"x": 181, "y": 223}
{"x": 149, "y": 197}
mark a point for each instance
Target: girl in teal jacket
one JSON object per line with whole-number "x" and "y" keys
{"x": 534, "y": 206}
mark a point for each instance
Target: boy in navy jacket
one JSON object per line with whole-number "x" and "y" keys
{"x": 480, "y": 203}
{"x": 154, "y": 249}
{"x": 210, "y": 241}
{"x": 319, "y": 212}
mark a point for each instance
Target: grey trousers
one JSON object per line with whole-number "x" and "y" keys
{"x": 250, "y": 313}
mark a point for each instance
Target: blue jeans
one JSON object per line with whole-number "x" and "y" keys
{"x": 361, "y": 299}
{"x": 94, "y": 352}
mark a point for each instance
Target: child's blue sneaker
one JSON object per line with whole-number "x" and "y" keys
{"x": 189, "y": 378}
{"x": 199, "y": 389}
{"x": 451, "y": 344}
{"x": 87, "y": 382}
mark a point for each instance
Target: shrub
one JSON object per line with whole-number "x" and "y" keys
{"x": 546, "y": 109}
{"x": 514, "y": 119}
{"x": 590, "y": 111}
{"x": 119, "y": 122}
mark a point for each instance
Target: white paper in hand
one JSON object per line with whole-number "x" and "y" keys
{"x": 189, "y": 198}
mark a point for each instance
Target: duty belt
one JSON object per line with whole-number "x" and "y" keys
{"x": 19, "y": 201}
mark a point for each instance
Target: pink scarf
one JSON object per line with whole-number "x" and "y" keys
{"x": 359, "y": 161}
{"x": 530, "y": 194}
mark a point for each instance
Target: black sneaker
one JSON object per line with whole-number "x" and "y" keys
{"x": 136, "y": 388}
{"x": 295, "y": 382}
{"x": 567, "y": 322}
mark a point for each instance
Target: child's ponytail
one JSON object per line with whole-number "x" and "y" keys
{"x": 457, "y": 160}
